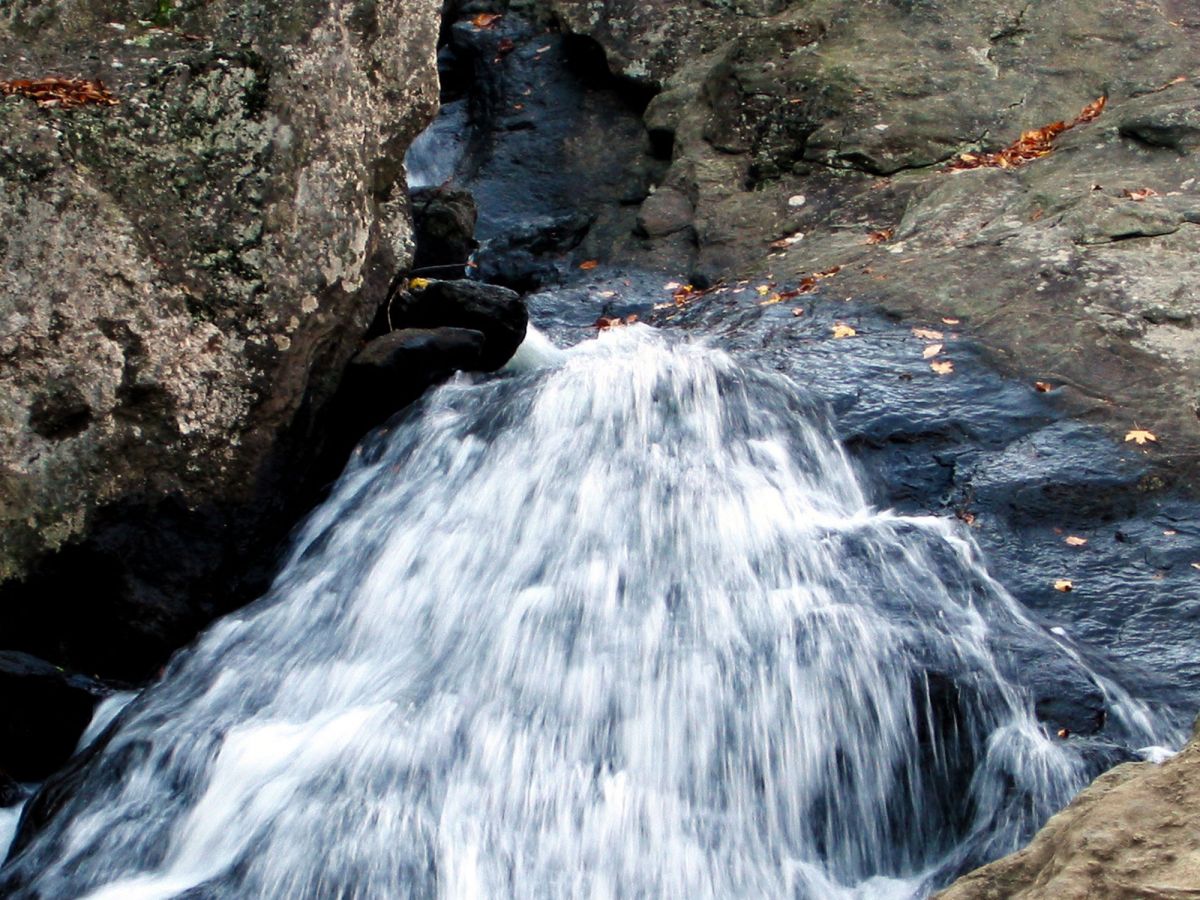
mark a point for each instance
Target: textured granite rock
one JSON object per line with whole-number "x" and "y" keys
{"x": 185, "y": 275}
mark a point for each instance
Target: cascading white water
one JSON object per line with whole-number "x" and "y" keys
{"x": 622, "y": 627}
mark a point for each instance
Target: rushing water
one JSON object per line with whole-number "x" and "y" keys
{"x": 623, "y": 626}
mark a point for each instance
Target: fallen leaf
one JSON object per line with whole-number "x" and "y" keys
{"x": 418, "y": 284}
{"x": 762, "y": 290}
{"x": 931, "y": 351}
{"x": 486, "y": 19}
{"x": 1074, "y": 541}
{"x": 63, "y": 93}
{"x": 771, "y": 300}
{"x": 1196, "y": 565}
{"x": 942, "y": 367}
{"x": 842, "y": 330}
{"x": 505, "y": 47}
{"x": 964, "y": 516}
{"x": 828, "y": 273}
{"x": 604, "y": 323}
{"x": 1043, "y": 387}
{"x": 1033, "y": 144}
{"x": 1064, "y": 585}
{"x": 797, "y": 311}
{"x": 1170, "y": 532}
{"x": 879, "y": 237}
{"x": 1064, "y": 733}
{"x": 1139, "y": 194}
{"x": 589, "y": 264}
{"x": 927, "y": 334}
{"x": 947, "y": 321}
{"x": 672, "y": 286}
{"x": 1140, "y": 436}
{"x": 606, "y": 294}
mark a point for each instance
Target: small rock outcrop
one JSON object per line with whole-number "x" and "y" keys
{"x": 497, "y": 313}
{"x": 1133, "y": 833}
{"x": 186, "y": 273}
{"x": 444, "y": 221}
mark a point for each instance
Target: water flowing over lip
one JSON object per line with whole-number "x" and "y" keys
{"x": 620, "y": 623}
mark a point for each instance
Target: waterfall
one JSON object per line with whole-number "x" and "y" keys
{"x": 621, "y": 623}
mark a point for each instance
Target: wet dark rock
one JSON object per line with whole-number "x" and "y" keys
{"x": 43, "y": 712}
{"x": 444, "y": 226}
{"x": 496, "y": 312}
{"x": 394, "y": 370}
{"x": 531, "y": 255}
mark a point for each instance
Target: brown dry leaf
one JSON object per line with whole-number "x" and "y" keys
{"x": 1043, "y": 387}
{"x": 881, "y": 236}
{"x": 1140, "y": 436}
{"x": 1033, "y": 144}
{"x": 797, "y": 311}
{"x": 964, "y": 516}
{"x": 949, "y": 321}
{"x": 927, "y": 334}
{"x": 606, "y": 294}
{"x": 931, "y": 351}
{"x": 1064, "y": 733}
{"x": 828, "y": 273}
{"x": 1139, "y": 194}
{"x": 942, "y": 367}
{"x": 1064, "y": 585}
{"x": 589, "y": 264}
{"x": 64, "y": 93}
{"x": 1074, "y": 541}
{"x": 486, "y": 19}
{"x": 842, "y": 330}
{"x": 604, "y": 323}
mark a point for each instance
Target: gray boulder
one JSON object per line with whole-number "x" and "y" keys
{"x": 186, "y": 274}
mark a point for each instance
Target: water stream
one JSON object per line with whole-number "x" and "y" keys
{"x": 619, "y": 623}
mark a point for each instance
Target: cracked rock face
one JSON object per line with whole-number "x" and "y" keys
{"x": 185, "y": 275}
{"x": 822, "y": 122}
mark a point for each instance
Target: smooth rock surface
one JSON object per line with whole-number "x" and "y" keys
{"x": 185, "y": 275}
{"x": 494, "y": 311}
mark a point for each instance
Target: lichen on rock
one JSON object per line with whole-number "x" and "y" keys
{"x": 187, "y": 272}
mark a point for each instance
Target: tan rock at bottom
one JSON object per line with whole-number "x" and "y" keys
{"x": 1133, "y": 833}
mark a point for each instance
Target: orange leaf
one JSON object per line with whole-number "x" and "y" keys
{"x": 879, "y": 237}
{"x": 486, "y": 19}
{"x": 1033, "y": 144}
{"x": 588, "y": 264}
{"x": 1043, "y": 387}
{"x": 1139, "y": 194}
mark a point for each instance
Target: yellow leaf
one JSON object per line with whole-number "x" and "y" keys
{"x": 1075, "y": 541}
{"x": 931, "y": 351}
{"x": 418, "y": 284}
{"x": 841, "y": 330}
{"x": 1140, "y": 436}
{"x": 774, "y": 298}
{"x": 1063, "y": 585}
{"x": 942, "y": 367}
{"x": 927, "y": 334}
{"x": 763, "y": 289}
